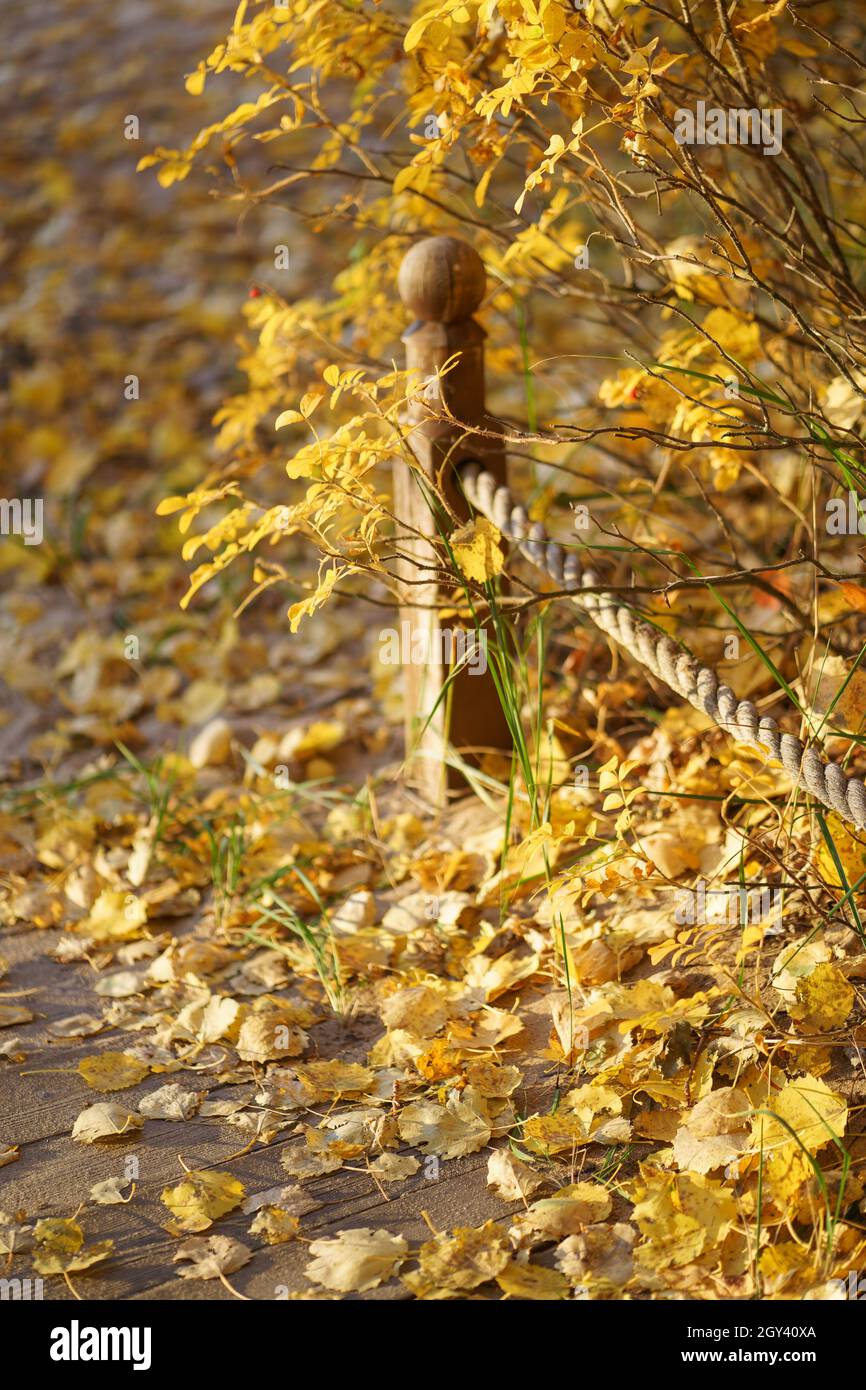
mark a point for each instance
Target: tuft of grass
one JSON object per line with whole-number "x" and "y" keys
{"x": 319, "y": 941}
{"x": 227, "y": 849}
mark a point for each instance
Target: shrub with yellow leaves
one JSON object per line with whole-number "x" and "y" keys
{"x": 713, "y": 274}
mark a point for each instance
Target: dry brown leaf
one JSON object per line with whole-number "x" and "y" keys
{"x": 532, "y": 1282}
{"x": 357, "y": 1260}
{"x": 105, "y": 1122}
{"x": 509, "y": 1178}
{"x": 274, "y": 1225}
{"x": 211, "y": 1257}
{"x": 449, "y": 1131}
{"x": 61, "y": 1248}
{"x": 170, "y": 1102}
{"x": 458, "y": 1261}
{"x": 202, "y": 1197}
{"x": 394, "y": 1167}
{"x": 110, "y": 1193}
{"x": 563, "y": 1214}
{"x": 112, "y": 1071}
{"x": 824, "y": 999}
{"x": 266, "y": 1037}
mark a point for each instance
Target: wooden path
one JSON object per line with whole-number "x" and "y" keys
{"x": 54, "y": 1174}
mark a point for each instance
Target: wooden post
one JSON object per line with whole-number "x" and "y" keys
{"x": 442, "y": 281}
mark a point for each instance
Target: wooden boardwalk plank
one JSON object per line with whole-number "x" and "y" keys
{"x": 55, "y": 1174}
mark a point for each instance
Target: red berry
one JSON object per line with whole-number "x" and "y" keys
{"x": 255, "y": 292}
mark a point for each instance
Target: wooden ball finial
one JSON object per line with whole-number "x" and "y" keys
{"x": 442, "y": 280}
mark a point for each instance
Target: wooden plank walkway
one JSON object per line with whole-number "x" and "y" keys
{"x": 54, "y": 1173}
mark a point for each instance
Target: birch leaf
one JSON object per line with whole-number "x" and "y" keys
{"x": 355, "y": 1261}
{"x": 202, "y": 1197}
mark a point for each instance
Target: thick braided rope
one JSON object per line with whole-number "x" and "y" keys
{"x": 671, "y": 663}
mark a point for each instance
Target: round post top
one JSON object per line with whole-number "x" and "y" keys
{"x": 442, "y": 279}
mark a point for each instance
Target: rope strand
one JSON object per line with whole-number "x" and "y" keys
{"x": 669, "y": 661}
